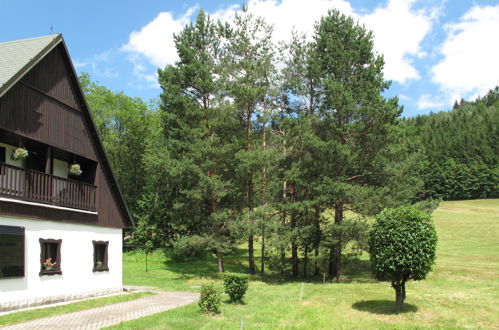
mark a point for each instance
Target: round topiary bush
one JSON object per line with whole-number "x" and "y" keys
{"x": 402, "y": 245}
{"x": 235, "y": 285}
{"x": 210, "y": 299}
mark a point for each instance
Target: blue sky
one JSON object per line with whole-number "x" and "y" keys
{"x": 436, "y": 51}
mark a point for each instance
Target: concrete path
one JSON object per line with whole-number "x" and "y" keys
{"x": 104, "y": 316}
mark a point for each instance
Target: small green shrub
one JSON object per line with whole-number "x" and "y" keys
{"x": 210, "y": 299}
{"x": 236, "y": 285}
{"x": 188, "y": 248}
{"x": 402, "y": 247}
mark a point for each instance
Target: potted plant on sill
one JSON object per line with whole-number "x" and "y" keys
{"x": 75, "y": 169}
{"x": 48, "y": 264}
{"x": 20, "y": 154}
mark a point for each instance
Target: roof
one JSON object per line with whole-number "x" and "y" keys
{"x": 17, "y": 57}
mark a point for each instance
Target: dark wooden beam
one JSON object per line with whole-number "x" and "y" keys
{"x": 48, "y": 160}
{"x": 49, "y": 96}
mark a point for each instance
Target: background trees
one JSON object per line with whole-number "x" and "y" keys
{"x": 459, "y": 150}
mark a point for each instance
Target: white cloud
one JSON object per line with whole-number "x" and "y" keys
{"x": 155, "y": 40}
{"x": 427, "y": 101}
{"x": 96, "y": 64}
{"x": 145, "y": 79}
{"x": 470, "y": 64}
{"x": 398, "y": 33}
{"x": 399, "y": 29}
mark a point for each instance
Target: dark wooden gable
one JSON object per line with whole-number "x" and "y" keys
{"x": 53, "y": 76}
{"x": 47, "y": 105}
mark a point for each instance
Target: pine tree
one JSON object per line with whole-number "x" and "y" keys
{"x": 356, "y": 123}
{"x": 249, "y": 66}
{"x": 201, "y": 132}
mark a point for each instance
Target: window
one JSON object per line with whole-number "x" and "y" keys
{"x": 2, "y": 159}
{"x": 2, "y": 154}
{"x": 11, "y": 251}
{"x": 100, "y": 256}
{"x": 50, "y": 256}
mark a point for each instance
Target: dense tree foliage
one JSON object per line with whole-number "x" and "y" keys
{"x": 459, "y": 150}
{"x": 128, "y": 128}
{"x": 402, "y": 247}
{"x": 201, "y": 133}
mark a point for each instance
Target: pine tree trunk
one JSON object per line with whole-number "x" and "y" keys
{"x": 220, "y": 261}
{"x": 294, "y": 246}
{"x": 251, "y": 255}
{"x": 264, "y": 194}
{"x": 294, "y": 256}
{"x": 262, "y": 267}
{"x": 316, "y": 266}
{"x": 338, "y": 218}
{"x": 331, "y": 262}
{"x": 283, "y": 260}
{"x": 317, "y": 241}
{"x": 214, "y": 209}
{"x": 283, "y": 250}
{"x": 305, "y": 259}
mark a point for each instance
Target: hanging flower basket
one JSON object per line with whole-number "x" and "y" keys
{"x": 75, "y": 169}
{"x": 20, "y": 154}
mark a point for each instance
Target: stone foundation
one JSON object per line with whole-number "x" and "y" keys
{"x": 38, "y": 301}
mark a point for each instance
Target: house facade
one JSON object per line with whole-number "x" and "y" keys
{"x": 61, "y": 211}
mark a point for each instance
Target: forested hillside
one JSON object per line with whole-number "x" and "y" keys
{"x": 459, "y": 150}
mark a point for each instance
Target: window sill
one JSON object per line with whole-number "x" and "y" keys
{"x": 100, "y": 269}
{"x": 11, "y": 277}
{"x": 50, "y": 272}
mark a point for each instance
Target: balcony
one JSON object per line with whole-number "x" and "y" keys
{"x": 34, "y": 186}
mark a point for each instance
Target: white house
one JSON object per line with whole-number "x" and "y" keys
{"x": 60, "y": 229}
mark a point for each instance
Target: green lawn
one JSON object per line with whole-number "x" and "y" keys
{"x": 461, "y": 292}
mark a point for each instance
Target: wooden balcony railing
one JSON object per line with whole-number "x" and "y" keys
{"x": 34, "y": 186}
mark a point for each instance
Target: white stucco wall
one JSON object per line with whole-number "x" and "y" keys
{"x": 60, "y": 168}
{"x": 77, "y": 279}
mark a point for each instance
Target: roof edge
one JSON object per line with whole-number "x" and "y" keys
{"x": 34, "y": 61}
{"x": 98, "y": 144}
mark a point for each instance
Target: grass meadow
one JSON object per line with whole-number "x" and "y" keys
{"x": 461, "y": 292}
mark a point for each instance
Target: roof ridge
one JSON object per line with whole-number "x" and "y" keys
{"x": 31, "y": 39}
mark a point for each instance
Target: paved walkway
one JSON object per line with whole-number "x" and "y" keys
{"x": 104, "y": 316}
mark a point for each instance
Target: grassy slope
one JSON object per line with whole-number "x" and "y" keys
{"x": 461, "y": 292}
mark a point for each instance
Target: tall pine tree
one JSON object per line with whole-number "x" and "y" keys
{"x": 357, "y": 125}
{"x": 201, "y": 129}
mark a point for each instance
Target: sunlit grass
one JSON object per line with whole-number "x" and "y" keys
{"x": 461, "y": 292}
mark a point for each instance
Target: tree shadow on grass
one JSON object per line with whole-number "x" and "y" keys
{"x": 385, "y": 307}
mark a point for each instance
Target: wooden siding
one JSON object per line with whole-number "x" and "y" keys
{"x": 107, "y": 204}
{"x": 53, "y": 76}
{"x": 46, "y": 106}
{"x": 36, "y": 212}
{"x": 29, "y": 111}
